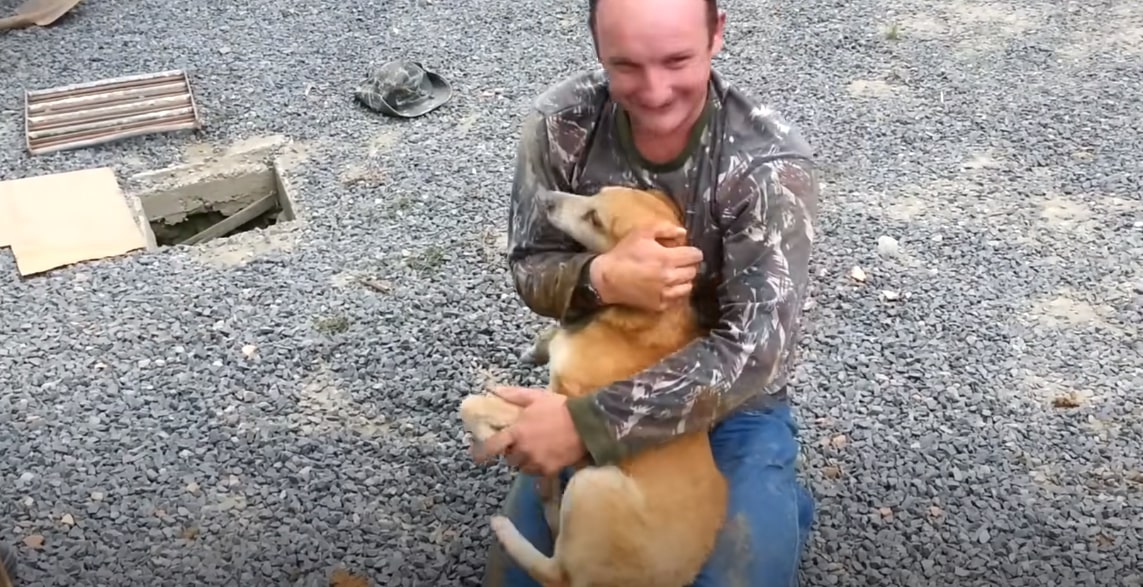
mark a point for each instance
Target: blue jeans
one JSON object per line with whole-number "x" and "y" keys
{"x": 768, "y": 520}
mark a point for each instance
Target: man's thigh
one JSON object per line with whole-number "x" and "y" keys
{"x": 769, "y": 513}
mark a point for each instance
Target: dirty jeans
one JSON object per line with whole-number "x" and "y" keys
{"x": 768, "y": 519}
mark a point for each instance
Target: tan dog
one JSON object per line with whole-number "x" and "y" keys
{"x": 652, "y": 520}
{"x": 7, "y": 567}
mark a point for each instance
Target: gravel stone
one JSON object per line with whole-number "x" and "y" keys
{"x": 887, "y": 246}
{"x": 990, "y": 413}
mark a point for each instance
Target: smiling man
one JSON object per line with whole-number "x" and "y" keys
{"x": 659, "y": 116}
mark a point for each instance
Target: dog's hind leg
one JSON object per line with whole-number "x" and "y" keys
{"x": 541, "y": 568}
{"x": 602, "y": 513}
{"x": 537, "y": 353}
{"x": 550, "y": 494}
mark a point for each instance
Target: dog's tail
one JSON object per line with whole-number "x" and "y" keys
{"x": 543, "y": 569}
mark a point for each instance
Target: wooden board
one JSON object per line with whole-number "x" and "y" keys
{"x": 65, "y": 218}
{"x": 5, "y": 215}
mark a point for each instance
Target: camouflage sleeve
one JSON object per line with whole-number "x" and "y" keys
{"x": 549, "y": 269}
{"x": 767, "y": 215}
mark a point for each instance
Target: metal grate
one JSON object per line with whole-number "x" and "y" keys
{"x": 91, "y": 113}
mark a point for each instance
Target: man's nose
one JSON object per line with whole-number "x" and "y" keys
{"x": 656, "y": 89}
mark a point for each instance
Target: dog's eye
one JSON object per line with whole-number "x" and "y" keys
{"x": 593, "y": 218}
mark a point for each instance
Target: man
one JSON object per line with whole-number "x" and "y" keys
{"x": 659, "y": 116}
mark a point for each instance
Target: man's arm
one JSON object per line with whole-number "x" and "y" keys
{"x": 549, "y": 269}
{"x": 769, "y": 214}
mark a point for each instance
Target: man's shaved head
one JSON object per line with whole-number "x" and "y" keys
{"x": 658, "y": 55}
{"x": 710, "y": 7}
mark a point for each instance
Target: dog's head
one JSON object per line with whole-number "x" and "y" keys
{"x": 599, "y": 222}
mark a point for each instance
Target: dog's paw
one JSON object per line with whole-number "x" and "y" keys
{"x": 484, "y": 415}
{"x": 501, "y": 526}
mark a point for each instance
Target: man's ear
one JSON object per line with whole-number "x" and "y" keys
{"x": 717, "y": 35}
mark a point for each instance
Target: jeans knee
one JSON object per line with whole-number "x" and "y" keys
{"x": 765, "y": 533}
{"x": 807, "y": 508}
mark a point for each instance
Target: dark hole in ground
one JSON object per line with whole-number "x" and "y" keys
{"x": 216, "y": 201}
{"x": 172, "y": 234}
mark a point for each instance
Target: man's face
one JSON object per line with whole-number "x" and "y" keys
{"x": 657, "y": 54}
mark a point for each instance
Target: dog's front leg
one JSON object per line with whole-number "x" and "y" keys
{"x": 484, "y": 415}
{"x": 550, "y": 495}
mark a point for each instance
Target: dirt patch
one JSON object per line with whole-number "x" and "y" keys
{"x": 364, "y": 174}
{"x": 872, "y": 88}
{"x": 1067, "y": 310}
{"x": 369, "y": 172}
{"x": 346, "y": 278}
{"x": 1055, "y": 392}
{"x": 488, "y": 378}
{"x": 990, "y": 25}
{"x": 922, "y": 25}
{"x": 240, "y": 249}
{"x": 468, "y": 122}
{"x": 1058, "y": 212}
{"x": 1082, "y": 214}
{"x": 998, "y": 17}
{"x": 1121, "y": 35}
{"x": 288, "y": 151}
{"x": 906, "y": 208}
{"x": 363, "y": 279}
{"x": 981, "y": 161}
{"x": 323, "y": 405}
{"x": 383, "y": 141}
{"x": 493, "y": 245}
{"x": 935, "y": 202}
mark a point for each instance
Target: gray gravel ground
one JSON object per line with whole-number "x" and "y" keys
{"x": 997, "y": 142}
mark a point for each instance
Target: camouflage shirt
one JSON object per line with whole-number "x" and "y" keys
{"x": 747, "y": 184}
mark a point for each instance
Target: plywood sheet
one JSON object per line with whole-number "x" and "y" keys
{"x": 65, "y": 218}
{"x": 5, "y": 214}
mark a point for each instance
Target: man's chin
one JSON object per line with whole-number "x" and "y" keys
{"x": 659, "y": 125}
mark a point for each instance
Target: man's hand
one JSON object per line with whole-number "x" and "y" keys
{"x": 543, "y": 439}
{"x": 643, "y": 273}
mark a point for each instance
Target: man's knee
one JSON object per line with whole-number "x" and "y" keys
{"x": 769, "y": 512}
{"x": 762, "y": 540}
